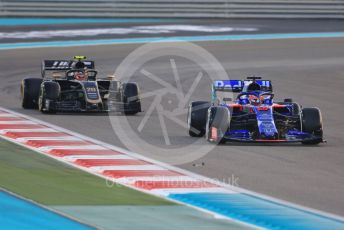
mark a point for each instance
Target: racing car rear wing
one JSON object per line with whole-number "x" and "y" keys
{"x": 238, "y": 85}
{"x": 62, "y": 65}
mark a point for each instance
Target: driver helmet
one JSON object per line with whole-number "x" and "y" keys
{"x": 254, "y": 100}
{"x": 80, "y": 76}
{"x": 254, "y": 86}
{"x": 78, "y": 65}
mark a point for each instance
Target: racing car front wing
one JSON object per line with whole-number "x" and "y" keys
{"x": 291, "y": 136}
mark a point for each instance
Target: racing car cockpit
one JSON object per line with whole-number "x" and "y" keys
{"x": 255, "y": 98}
{"x": 253, "y": 93}
{"x": 80, "y": 72}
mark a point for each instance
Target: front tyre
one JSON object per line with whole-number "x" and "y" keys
{"x": 197, "y": 118}
{"x": 49, "y": 93}
{"x": 218, "y": 123}
{"x": 312, "y": 123}
{"x": 131, "y": 98}
{"x": 30, "y": 92}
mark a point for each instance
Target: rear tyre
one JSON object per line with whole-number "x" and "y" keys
{"x": 131, "y": 98}
{"x": 217, "y": 124}
{"x": 49, "y": 92}
{"x": 197, "y": 118}
{"x": 312, "y": 123}
{"x": 30, "y": 92}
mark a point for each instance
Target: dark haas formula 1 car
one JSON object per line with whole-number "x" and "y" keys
{"x": 253, "y": 116}
{"x": 73, "y": 86}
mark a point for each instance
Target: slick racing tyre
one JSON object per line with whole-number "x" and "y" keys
{"x": 217, "y": 124}
{"x": 30, "y": 92}
{"x": 131, "y": 98}
{"x": 49, "y": 92}
{"x": 197, "y": 118}
{"x": 312, "y": 123}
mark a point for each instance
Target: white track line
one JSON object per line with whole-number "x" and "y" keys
{"x": 43, "y": 130}
{"x": 18, "y": 122}
{"x": 112, "y": 157}
{"x": 8, "y": 115}
{"x": 166, "y": 192}
{"x": 126, "y": 167}
{"x": 63, "y": 138}
{"x": 71, "y": 147}
{"x": 131, "y": 180}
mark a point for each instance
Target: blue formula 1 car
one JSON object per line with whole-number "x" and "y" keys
{"x": 252, "y": 116}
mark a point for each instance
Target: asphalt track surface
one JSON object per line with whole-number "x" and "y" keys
{"x": 311, "y": 71}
